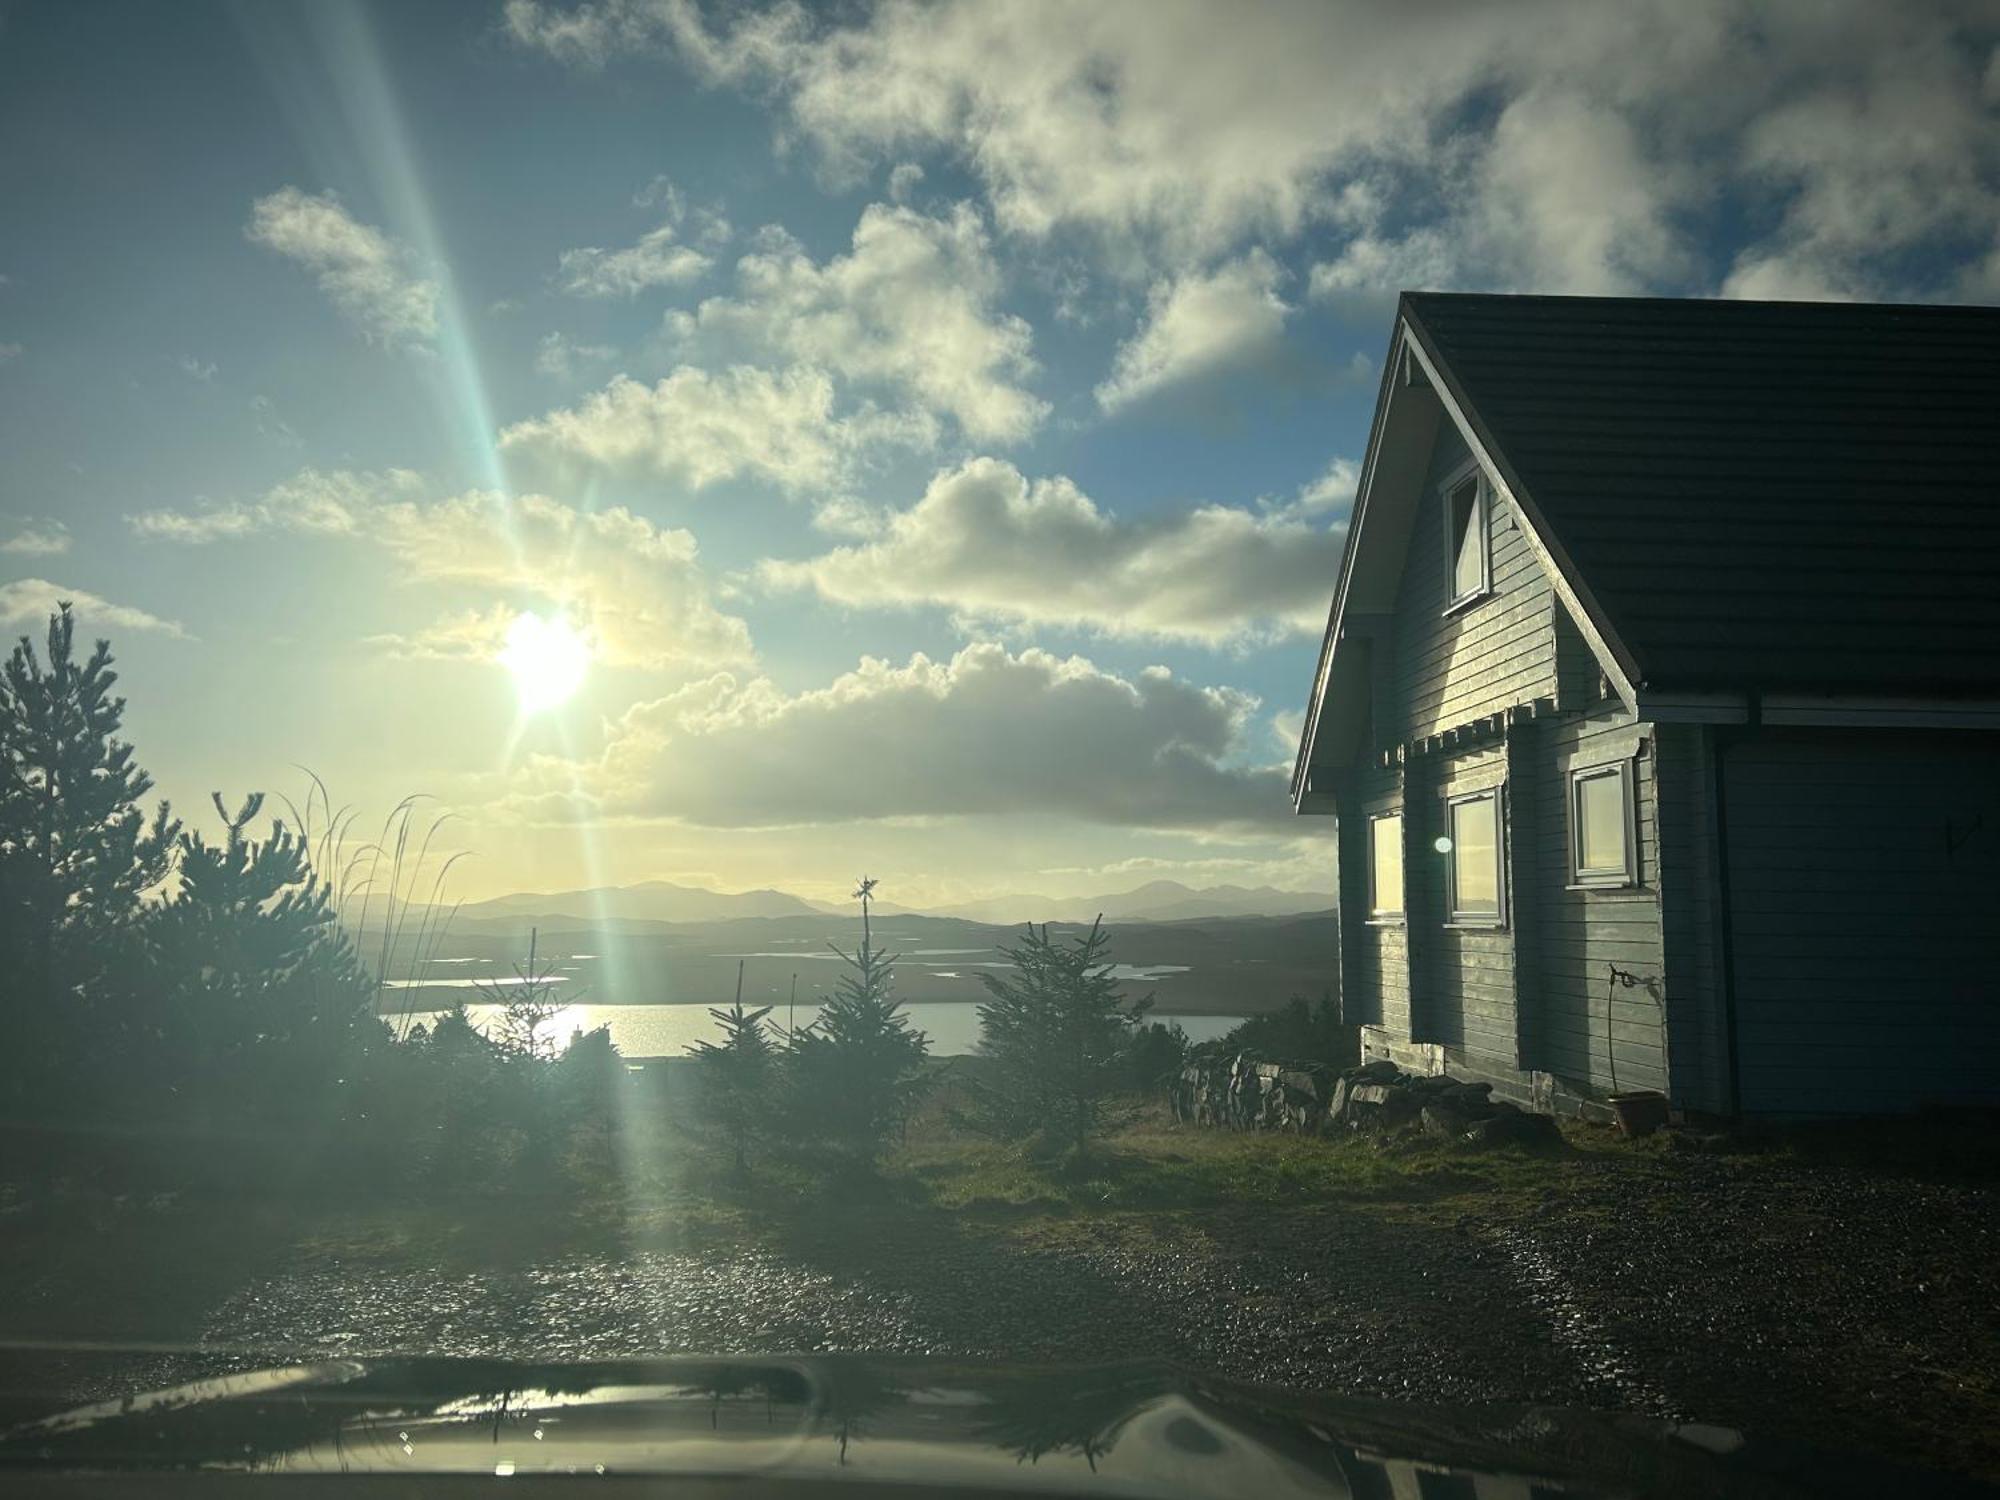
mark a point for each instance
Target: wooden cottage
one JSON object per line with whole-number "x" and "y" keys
{"x": 1659, "y": 708}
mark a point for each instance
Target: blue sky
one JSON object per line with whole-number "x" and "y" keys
{"x": 938, "y": 420}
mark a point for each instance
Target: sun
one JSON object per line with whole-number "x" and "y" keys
{"x": 548, "y": 659}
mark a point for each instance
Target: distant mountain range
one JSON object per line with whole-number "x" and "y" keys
{"x": 1155, "y": 901}
{"x": 664, "y": 901}
{"x": 649, "y": 901}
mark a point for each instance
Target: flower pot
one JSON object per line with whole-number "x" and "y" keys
{"x": 1639, "y": 1113}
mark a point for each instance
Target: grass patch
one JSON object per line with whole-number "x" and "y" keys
{"x": 1151, "y": 1165}
{"x": 952, "y": 1181}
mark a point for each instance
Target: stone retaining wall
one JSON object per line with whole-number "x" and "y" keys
{"x": 1246, "y": 1093}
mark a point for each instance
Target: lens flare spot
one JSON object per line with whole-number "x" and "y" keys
{"x": 548, "y": 660}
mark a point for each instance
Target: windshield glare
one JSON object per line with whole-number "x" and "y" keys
{"x": 1184, "y": 748}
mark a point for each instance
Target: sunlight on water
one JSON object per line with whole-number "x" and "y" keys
{"x": 640, "y": 1031}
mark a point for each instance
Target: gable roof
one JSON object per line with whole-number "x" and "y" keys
{"x": 1760, "y": 496}
{"x": 1731, "y": 497}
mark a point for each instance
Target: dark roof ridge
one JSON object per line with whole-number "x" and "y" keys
{"x": 1613, "y": 300}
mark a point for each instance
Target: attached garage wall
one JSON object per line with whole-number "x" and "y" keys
{"x": 1864, "y": 873}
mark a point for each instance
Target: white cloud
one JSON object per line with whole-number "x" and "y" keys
{"x": 705, "y": 224}
{"x": 1199, "y": 325}
{"x": 363, "y": 272}
{"x": 1424, "y": 259}
{"x": 1560, "y": 195}
{"x": 561, "y": 358}
{"x": 11, "y": 351}
{"x": 988, "y": 732}
{"x": 1570, "y": 201}
{"x": 661, "y": 193}
{"x": 1287, "y": 725}
{"x": 910, "y": 308}
{"x": 697, "y": 429}
{"x": 210, "y": 523}
{"x": 28, "y": 603}
{"x": 1873, "y": 164}
{"x": 38, "y": 538}
{"x": 469, "y": 635}
{"x": 904, "y": 180}
{"x": 196, "y": 369}
{"x": 1331, "y": 492}
{"x": 989, "y": 545}
{"x": 1550, "y": 144}
{"x": 638, "y": 588}
{"x": 658, "y": 259}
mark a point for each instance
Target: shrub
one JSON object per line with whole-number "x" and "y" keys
{"x": 1299, "y": 1031}
{"x": 1157, "y": 1052}
{"x": 1057, "y": 1034}
{"x": 201, "y": 998}
{"x": 854, "y": 1075}
{"x": 256, "y": 993}
{"x": 77, "y": 853}
{"x": 737, "y": 1074}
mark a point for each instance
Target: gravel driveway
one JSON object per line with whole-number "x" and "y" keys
{"x": 1809, "y": 1302}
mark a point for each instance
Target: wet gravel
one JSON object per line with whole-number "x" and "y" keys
{"x": 1856, "y": 1309}
{"x": 1817, "y": 1301}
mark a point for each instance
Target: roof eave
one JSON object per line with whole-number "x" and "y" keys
{"x": 1391, "y": 366}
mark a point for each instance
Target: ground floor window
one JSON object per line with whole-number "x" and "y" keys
{"x": 1385, "y": 866}
{"x": 1603, "y": 837}
{"x": 1477, "y": 879}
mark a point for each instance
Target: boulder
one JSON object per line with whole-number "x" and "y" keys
{"x": 1401, "y": 1107}
{"x": 1336, "y": 1109}
{"x": 1298, "y": 1081}
{"x": 1517, "y": 1128}
{"x": 1443, "y": 1121}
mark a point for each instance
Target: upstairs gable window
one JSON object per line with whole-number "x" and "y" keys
{"x": 1465, "y": 505}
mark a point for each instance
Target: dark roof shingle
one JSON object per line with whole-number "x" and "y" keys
{"x": 1796, "y": 497}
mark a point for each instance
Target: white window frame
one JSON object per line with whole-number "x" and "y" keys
{"x": 1608, "y": 878}
{"x": 1480, "y": 523}
{"x": 1377, "y": 913}
{"x": 1454, "y": 917}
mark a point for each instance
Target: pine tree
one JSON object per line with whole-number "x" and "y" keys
{"x": 76, "y": 851}
{"x": 259, "y": 990}
{"x": 857, "y": 1071}
{"x": 736, "y": 1075}
{"x": 527, "y": 1006}
{"x": 1056, "y": 1033}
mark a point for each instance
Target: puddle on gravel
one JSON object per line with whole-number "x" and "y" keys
{"x": 1580, "y": 1334}
{"x": 575, "y": 1309}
